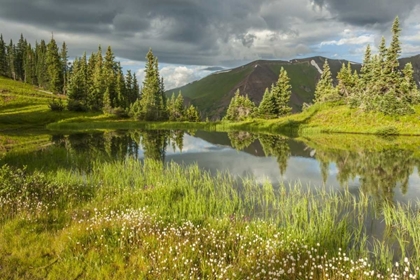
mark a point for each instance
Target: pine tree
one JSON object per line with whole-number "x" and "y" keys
{"x": 64, "y": 65}
{"x": 11, "y": 53}
{"x": 191, "y": 114}
{"x": 394, "y": 49}
{"x": 325, "y": 90}
{"x": 54, "y": 68}
{"x": 3, "y": 57}
{"x": 282, "y": 93}
{"x": 267, "y": 107}
{"x": 78, "y": 86}
{"x": 366, "y": 70}
{"x": 29, "y": 66}
{"x": 346, "y": 82}
{"x": 41, "y": 64}
{"x": 153, "y": 105}
{"x": 240, "y": 108}
{"x": 20, "y": 51}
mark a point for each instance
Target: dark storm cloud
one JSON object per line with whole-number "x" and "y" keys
{"x": 196, "y": 31}
{"x": 368, "y": 12}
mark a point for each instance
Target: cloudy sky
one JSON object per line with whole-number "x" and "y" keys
{"x": 191, "y": 37}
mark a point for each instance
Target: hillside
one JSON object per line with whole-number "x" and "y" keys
{"x": 213, "y": 93}
{"x": 26, "y": 106}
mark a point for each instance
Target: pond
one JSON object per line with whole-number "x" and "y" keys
{"x": 383, "y": 168}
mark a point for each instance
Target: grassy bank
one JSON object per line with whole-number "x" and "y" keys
{"x": 333, "y": 118}
{"x": 128, "y": 220}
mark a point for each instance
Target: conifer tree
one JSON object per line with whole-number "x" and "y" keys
{"x": 41, "y": 64}
{"x": 29, "y": 66}
{"x": 11, "y": 53}
{"x": 282, "y": 92}
{"x": 64, "y": 66}
{"x": 78, "y": 88}
{"x": 20, "y": 50}
{"x": 152, "y": 102}
{"x": 325, "y": 90}
{"x": 3, "y": 57}
{"x": 395, "y": 48}
{"x": 240, "y": 108}
{"x": 267, "y": 107}
{"x": 54, "y": 68}
{"x": 346, "y": 81}
{"x": 191, "y": 114}
{"x": 366, "y": 70}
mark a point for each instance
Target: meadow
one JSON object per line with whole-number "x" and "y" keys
{"x": 133, "y": 220}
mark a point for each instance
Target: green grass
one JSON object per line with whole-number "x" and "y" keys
{"x": 333, "y": 118}
{"x": 25, "y": 106}
{"x": 128, "y": 220}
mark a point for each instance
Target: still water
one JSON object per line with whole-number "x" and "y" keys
{"x": 384, "y": 168}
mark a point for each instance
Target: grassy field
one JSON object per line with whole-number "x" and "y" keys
{"x": 25, "y": 106}
{"x": 132, "y": 220}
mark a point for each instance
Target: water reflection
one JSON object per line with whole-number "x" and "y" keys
{"x": 383, "y": 168}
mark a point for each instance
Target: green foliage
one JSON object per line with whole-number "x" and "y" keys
{"x": 383, "y": 87}
{"x": 275, "y": 103}
{"x": 57, "y": 105}
{"x": 191, "y": 114}
{"x": 240, "y": 108}
{"x": 152, "y": 99}
{"x": 325, "y": 90}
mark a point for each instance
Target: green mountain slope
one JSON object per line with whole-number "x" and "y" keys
{"x": 213, "y": 93}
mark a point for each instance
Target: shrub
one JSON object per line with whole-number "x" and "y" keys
{"x": 56, "y": 105}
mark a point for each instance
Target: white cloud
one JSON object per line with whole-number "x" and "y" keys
{"x": 176, "y": 75}
{"x": 351, "y": 39}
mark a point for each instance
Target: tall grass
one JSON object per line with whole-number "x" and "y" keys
{"x": 149, "y": 221}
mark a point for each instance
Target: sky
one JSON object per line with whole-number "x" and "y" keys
{"x": 193, "y": 38}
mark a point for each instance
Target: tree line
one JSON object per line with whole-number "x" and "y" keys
{"x": 381, "y": 86}
{"x": 92, "y": 83}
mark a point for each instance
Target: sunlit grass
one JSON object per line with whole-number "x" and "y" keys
{"x": 145, "y": 220}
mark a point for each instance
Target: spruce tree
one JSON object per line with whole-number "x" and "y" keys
{"x": 3, "y": 57}
{"x": 64, "y": 66}
{"x": 267, "y": 107}
{"x": 191, "y": 114}
{"x": 240, "y": 108}
{"x": 54, "y": 68}
{"x": 325, "y": 90}
{"x": 11, "y": 54}
{"x": 394, "y": 49}
{"x": 41, "y": 64}
{"x": 366, "y": 70}
{"x": 78, "y": 86}
{"x": 282, "y": 93}
{"x": 153, "y": 105}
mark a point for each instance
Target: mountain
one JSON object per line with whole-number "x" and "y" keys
{"x": 213, "y": 93}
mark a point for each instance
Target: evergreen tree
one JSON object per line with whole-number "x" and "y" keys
{"x": 64, "y": 66}
{"x": 41, "y": 64}
{"x": 20, "y": 51}
{"x": 282, "y": 92}
{"x": 240, "y": 108}
{"x": 267, "y": 107}
{"x": 54, "y": 68}
{"x": 29, "y": 66}
{"x": 152, "y": 100}
{"x": 191, "y": 114}
{"x": 11, "y": 53}
{"x": 346, "y": 81}
{"x": 325, "y": 90}
{"x": 3, "y": 57}
{"x": 78, "y": 86}
{"x": 394, "y": 49}
{"x": 366, "y": 70}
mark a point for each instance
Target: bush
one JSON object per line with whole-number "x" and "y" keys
{"x": 76, "y": 106}
{"x": 56, "y": 105}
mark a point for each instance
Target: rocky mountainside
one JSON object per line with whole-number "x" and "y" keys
{"x": 213, "y": 93}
